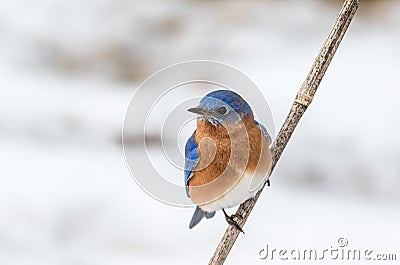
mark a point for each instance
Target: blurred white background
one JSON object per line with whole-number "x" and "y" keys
{"x": 69, "y": 68}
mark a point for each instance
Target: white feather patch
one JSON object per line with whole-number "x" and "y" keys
{"x": 246, "y": 188}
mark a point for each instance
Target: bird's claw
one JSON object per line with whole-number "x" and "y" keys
{"x": 230, "y": 220}
{"x": 238, "y": 216}
{"x": 268, "y": 183}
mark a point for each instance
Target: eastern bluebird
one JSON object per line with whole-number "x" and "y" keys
{"x": 227, "y": 158}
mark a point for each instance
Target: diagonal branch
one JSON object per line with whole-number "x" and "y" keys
{"x": 300, "y": 104}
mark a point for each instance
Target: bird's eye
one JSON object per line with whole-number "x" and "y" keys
{"x": 222, "y": 110}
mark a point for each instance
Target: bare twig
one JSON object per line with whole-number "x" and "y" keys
{"x": 300, "y": 104}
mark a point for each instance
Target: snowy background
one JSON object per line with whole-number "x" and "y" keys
{"x": 69, "y": 68}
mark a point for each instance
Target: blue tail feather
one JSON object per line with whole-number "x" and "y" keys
{"x": 198, "y": 215}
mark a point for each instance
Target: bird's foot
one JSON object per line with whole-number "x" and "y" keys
{"x": 231, "y": 220}
{"x": 238, "y": 216}
{"x": 268, "y": 183}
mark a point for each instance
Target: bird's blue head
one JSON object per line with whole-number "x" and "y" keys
{"x": 223, "y": 107}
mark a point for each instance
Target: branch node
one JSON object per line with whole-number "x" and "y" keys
{"x": 303, "y": 99}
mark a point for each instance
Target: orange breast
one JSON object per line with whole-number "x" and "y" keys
{"x": 226, "y": 153}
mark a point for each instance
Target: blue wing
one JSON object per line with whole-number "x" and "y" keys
{"x": 264, "y": 131}
{"x": 191, "y": 159}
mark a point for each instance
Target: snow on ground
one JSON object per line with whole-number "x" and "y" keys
{"x": 69, "y": 69}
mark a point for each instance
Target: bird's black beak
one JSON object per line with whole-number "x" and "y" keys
{"x": 199, "y": 110}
